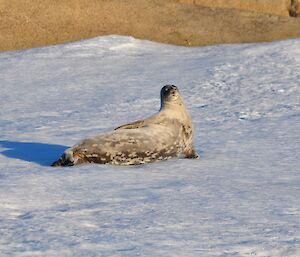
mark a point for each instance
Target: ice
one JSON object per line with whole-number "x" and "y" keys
{"x": 242, "y": 198}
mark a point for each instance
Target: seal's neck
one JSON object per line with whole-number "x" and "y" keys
{"x": 172, "y": 104}
{"x": 175, "y": 109}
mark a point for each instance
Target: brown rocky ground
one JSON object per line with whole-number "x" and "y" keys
{"x": 274, "y": 7}
{"x": 33, "y": 23}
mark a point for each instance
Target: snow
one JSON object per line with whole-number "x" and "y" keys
{"x": 242, "y": 198}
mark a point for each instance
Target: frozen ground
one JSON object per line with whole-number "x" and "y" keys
{"x": 241, "y": 199}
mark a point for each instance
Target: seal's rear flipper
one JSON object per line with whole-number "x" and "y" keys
{"x": 66, "y": 159}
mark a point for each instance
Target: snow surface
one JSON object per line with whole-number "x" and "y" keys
{"x": 242, "y": 198}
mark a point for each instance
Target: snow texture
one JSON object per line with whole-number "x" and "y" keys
{"x": 242, "y": 198}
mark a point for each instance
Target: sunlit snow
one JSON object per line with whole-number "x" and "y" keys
{"x": 242, "y": 198}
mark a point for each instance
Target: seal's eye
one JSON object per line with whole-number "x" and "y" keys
{"x": 166, "y": 88}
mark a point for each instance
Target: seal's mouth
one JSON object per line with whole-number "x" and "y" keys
{"x": 169, "y": 91}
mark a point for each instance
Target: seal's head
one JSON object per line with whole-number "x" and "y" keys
{"x": 172, "y": 105}
{"x": 169, "y": 94}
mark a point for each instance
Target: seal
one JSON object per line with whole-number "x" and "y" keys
{"x": 166, "y": 134}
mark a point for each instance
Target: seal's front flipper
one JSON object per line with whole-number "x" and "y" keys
{"x": 133, "y": 125}
{"x": 191, "y": 154}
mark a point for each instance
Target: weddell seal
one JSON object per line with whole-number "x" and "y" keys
{"x": 167, "y": 134}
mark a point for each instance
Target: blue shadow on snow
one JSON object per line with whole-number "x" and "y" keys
{"x": 42, "y": 154}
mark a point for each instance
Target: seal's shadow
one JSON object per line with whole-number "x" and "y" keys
{"x": 42, "y": 154}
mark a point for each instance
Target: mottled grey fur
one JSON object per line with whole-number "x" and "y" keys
{"x": 167, "y": 134}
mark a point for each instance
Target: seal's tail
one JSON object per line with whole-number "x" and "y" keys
{"x": 66, "y": 159}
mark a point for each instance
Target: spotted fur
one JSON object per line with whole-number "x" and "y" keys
{"x": 167, "y": 134}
